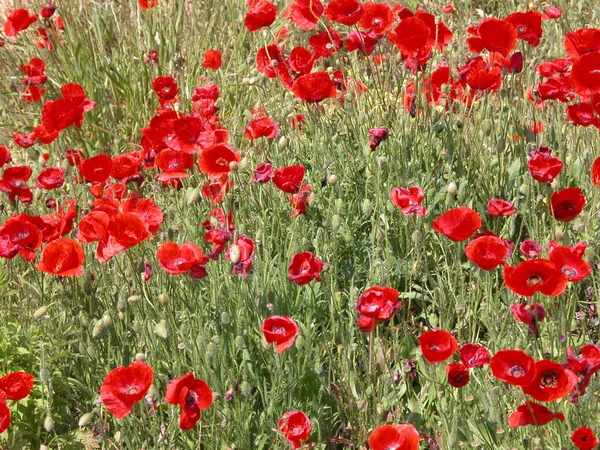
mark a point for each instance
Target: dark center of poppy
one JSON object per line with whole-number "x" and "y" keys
{"x": 549, "y": 379}
{"x": 570, "y": 272}
{"x": 516, "y": 371}
{"x": 522, "y": 29}
{"x": 132, "y": 390}
{"x": 534, "y": 280}
{"x": 278, "y": 330}
{"x": 190, "y": 399}
{"x": 222, "y": 162}
{"x": 568, "y": 206}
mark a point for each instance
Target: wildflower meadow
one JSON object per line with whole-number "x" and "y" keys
{"x": 299, "y": 224}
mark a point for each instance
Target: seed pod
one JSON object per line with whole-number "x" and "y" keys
{"x": 234, "y": 254}
{"x": 161, "y": 329}
{"x": 85, "y": 419}
{"x": 98, "y": 327}
{"x": 234, "y": 166}
{"x": 40, "y": 312}
{"x": 48, "y": 423}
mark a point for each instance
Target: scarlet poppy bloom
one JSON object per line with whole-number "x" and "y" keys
{"x": 32, "y": 94}
{"x": 301, "y": 60}
{"x": 551, "y": 382}
{"x": 34, "y": 72}
{"x": 584, "y": 438}
{"x": 397, "y": 437}
{"x": 528, "y": 25}
{"x": 5, "y": 156}
{"x": 14, "y": 183}
{"x": 24, "y": 140}
{"x": 542, "y": 166}
{"x": 582, "y": 42}
{"x": 498, "y": 207}
{"x": 300, "y": 201}
{"x": 325, "y": 43}
{"x": 530, "y": 249}
{"x": 304, "y": 13}
{"x": 536, "y": 275}
{"x": 173, "y": 164}
{"x": 513, "y": 367}
{"x": 16, "y": 385}
{"x": 97, "y": 168}
{"x": 124, "y": 386}
{"x": 585, "y": 367}
{"x": 361, "y": 41}
{"x": 262, "y": 127}
{"x": 379, "y": 303}
{"x": 411, "y": 36}
{"x": 366, "y": 324}
{"x": 280, "y": 330}
{"x": 487, "y": 252}
{"x": 458, "y": 374}
{"x": 51, "y": 178}
{"x": 212, "y": 60}
{"x": 261, "y": 15}
{"x": 304, "y": 267}
{"x": 19, "y": 236}
{"x": 570, "y": 262}
{"x": 377, "y": 17}
{"x": 567, "y": 204}
{"x": 63, "y": 257}
{"x": 346, "y": 12}
{"x": 458, "y": 224}
{"x": 409, "y": 200}
{"x": 126, "y": 166}
{"x": 314, "y": 87}
{"x": 437, "y": 345}
{"x": 48, "y": 10}
{"x": 289, "y": 179}
{"x": 147, "y": 4}
{"x": 4, "y": 414}
{"x": 192, "y": 394}
{"x": 493, "y": 35}
{"x": 295, "y": 426}
{"x": 531, "y": 413}
{"x": 263, "y": 173}
{"x": 216, "y": 159}
{"x": 242, "y": 257}
{"x": 165, "y": 87}
{"x": 16, "y": 21}
{"x": 177, "y": 259}
{"x": 530, "y": 315}
{"x": 473, "y": 355}
{"x": 377, "y": 136}
{"x": 585, "y": 77}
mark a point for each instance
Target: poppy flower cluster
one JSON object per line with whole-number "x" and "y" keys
{"x": 376, "y": 304}
{"x": 34, "y": 77}
{"x": 14, "y": 386}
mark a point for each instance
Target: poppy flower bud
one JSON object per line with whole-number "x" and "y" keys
{"x": 98, "y": 327}
{"x": 338, "y": 205}
{"x": 140, "y": 357}
{"x": 559, "y": 235}
{"x": 41, "y": 311}
{"x": 452, "y": 188}
{"x": 85, "y": 419}
{"x": 225, "y": 318}
{"x": 417, "y": 236}
{"x": 245, "y": 388}
{"x": 367, "y": 207}
{"x": 382, "y": 161}
{"x": 282, "y": 142}
{"x": 234, "y": 254}
{"x": 122, "y": 305}
{"x": 134, "y": 299}
{"x": 44, "y": 376}
{"x": 211, "y": 350}
{"x": 163, "y": 299}
{"x": 239, "y": 343}
{"x": 234, "y": 166}
{"x": 332, "y": 180}
{"x": 106, "y": 321}
{"x": 48, "y": 423}
{"x": 336, "y": 221}
{"x": 83, "y": 318}
{"x": 161, "y": 329}
{"x": 121, "y": 315}
{"x": 192, "y": 197}
{"x": 244, "y": 164}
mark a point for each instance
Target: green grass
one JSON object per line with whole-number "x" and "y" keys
{"x": 212, "y": 326}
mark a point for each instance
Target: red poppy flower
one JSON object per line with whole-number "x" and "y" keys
{"x": 409, "y": 200}
{"x": 126, "y": 166}
{"x": 242, "y": 256}
{"x": 528, "y": 25}
{"x": 584, "y": 438}
{"x": 301, "y": 60}
{"x": 281, "y": 330}
{"x": 19, "y": 236}
{"x": 585, "y": 74}
{"x": 493, "y": 35}
{"x": 261, "y": 15}
{"x": 366, "y": 324}
{"x": 97, "y": 168}
{"x": 191, "y": 135}
{"x": 437, "y": 345}
{"x": 480, "y": 75}
{"x": 325, "y": 43}
{"x": 192, "y": 394}
{"x": 304, "y": 267}
{"x": 165, "y": 87}
{"x": 458, "y": 374}
{"x": 34, "y": 72}
{"x": 124, "y": 386}
{"x": 4, "y": 415}
{"x": 361, "y": 41}
{"x": 439, "y": 33}
{"x": 24, "y": 140}
{"x": 14, "y": 183}
{"x": 216, "y": 188}
{"x": 551, "y": 382}
{"x": 263, "y": 173}
{"x": 173, "y": 164}
{"x": 268, "y": 59}
{"x": 458, "y": 224}
{"x": 32, "y": 94}
{"x": 585, "y": 367}
{"x": 566, "y": 204}
{"x": 595, "y": 171}
{"x": 535, "y": 275}
{"x": 16, "y": 385}
{"x": 212, "y": 60}
{"x": 377, "y": 136}
{"x": 498, "y": 207}
{"x": 473, "y": 355}
{"x": 47, "y": 10}
{"x": 530, "y": 249}
{"x": 51, "y": 178}
{"x": 300, "y": 201}
{"x": 295, "y": 426}
{"x": 304, "y": 13}
{"x": 396, "y": 437}
{"x": 5, "y": 156}
{"x": 570, "y": 262}
{"x": 16, "y": 21}
{"x": 377, "y": 17}
{"x": 582, "y": 42}
{"x": 147, "y": 4}
{"x": 531, "y": 413}
{"x": 530, "y": 315}
{"x": 314, "y": 87}
{"x": 63, "y": 257}
{"x": 346, "y": 12}
{"x": 289, "y": 179}
{"x": 487, "y": 252}
{"x": 262, "y": 127}
{"x": 378, "y": 302}
{"x": 542, "y": 166}
{"x": 411, "y": 36}
{"x": 513, "y": 367}
{"x": 216, "y": 159}
{"x": 177, "y": 259}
